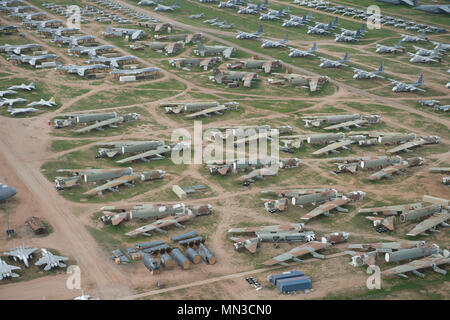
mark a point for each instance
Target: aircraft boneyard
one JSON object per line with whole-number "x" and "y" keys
{"x": 278, "y": 77}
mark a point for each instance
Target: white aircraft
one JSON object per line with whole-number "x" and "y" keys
{"x": 50, "y": 260}
{"x": 10, "y": 102}
{"x": 21, "y": 253}
{"x": 7, "y": 271}
{"x": 15, "y": 111}
{"x": 23, "y": 86}
{"x": 4, "y": 93}
{"x": 43, "y": 103}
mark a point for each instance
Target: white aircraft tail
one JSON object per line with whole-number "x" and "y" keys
{"x": 314, "y": 47}
{"x": 285, "y": 39}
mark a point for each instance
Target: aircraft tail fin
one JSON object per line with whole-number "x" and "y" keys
{"x": 330, "y": 25}
{"x": 381, "y": 69}
{"x": 260, "y": 30}
{"x": 399, "y": 44}
{"x": 423, "y": 35}
{"x": 176, "y": 4}
{"x": 314, "y": 47}
{"x": 285, "y": 38}
{"x": 345, "y": 57}
{"x": 309, "y": 14}
{"x": 363, "y": 27}
{"x": 266, "y": 2}
{"x": 420, "y": 81}
{"x": 52, "y": 99}
{"x": 10, "y": 109}
{"x": 200, "y": 46}
{"x": 287, "y": 9}
{"x": 335, "y": 22}
{"x": 358, "y": 33}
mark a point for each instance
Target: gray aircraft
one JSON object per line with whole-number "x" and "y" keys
{"x": 354, "y": 33}
{"x": 301, "y": 53}
{"x": 211, "y": 21}
{"x": 6, "y": 192}
{"x": 164, "y": 8}
{"x": 268, "y": 17}
{"x": 229, "y": 4}
{"x": 203, "y": 50}
{"x": 361, "y": 74}
{"x": 317, "y": 30}
{"x": 247, "y": 10}
{"x": 408, "y": 38}
{"x": 43, "y": 103}
{"x": 7, "y": 271}
{"x": 50, "y": 260}
{"x": 275, "y": 44}
{"x": 425, "y": 52}
{"x": 404, "y": 87}
{"x": 327, "y": 63}
{"x": 135, "y": 34}
{"x": 428, "y": 103}
{"x": 23, "y": 86}
{"x": 91, "y": 51}
{"x": 10, "y": 102}
{"x": 17, "y": 49}
{"x": 245, "y": 35}
{"x": 415, "y": 58}
{"x": 434, "y": 8}
{"x": 398, "y": 2}
{"x": 388, "y": 49}
{"x": 443, "y": 46}
{"x": 343, "y": 38}
{"x": 16, "y": 111}
{"x": 4, "y": 93}
{"x": 21, "y": 253}
{"x": 197, "y": 16}
{"x": 148, "y": 2}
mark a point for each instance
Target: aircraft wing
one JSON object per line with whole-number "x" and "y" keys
{"x": 100, "y": 124}
{"x": 445, "y": 8}
{"x": 250, "y": 244}
{"x": 267, "y": 66}
{"x": 387, "y": 172}
{"x": 170, "y": 47}
{"x": 324, "y": 208}
{"x": 248, "y": 79}
{"x": 347, "y": 124}
{"x": 299, "y": 251}
{"x": 365, "y": 258}
{"x": 227, "y": 52}
{"x": 407, "y": 145}
{"x": 313, "y": 84}
{"x": 205, "y": 62}
{"x": 431, "y": 261}
{"x": 332, "y": 146}
{"x": 283, "y": 227}
{"x": 207, "y": 111}
{"x": 429, "y": 223}
{"x": 156, "y": 152}
{"x": 111, "y": 184}
{"x": 410, "y": 2}
{"x": 157, "y": 225}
